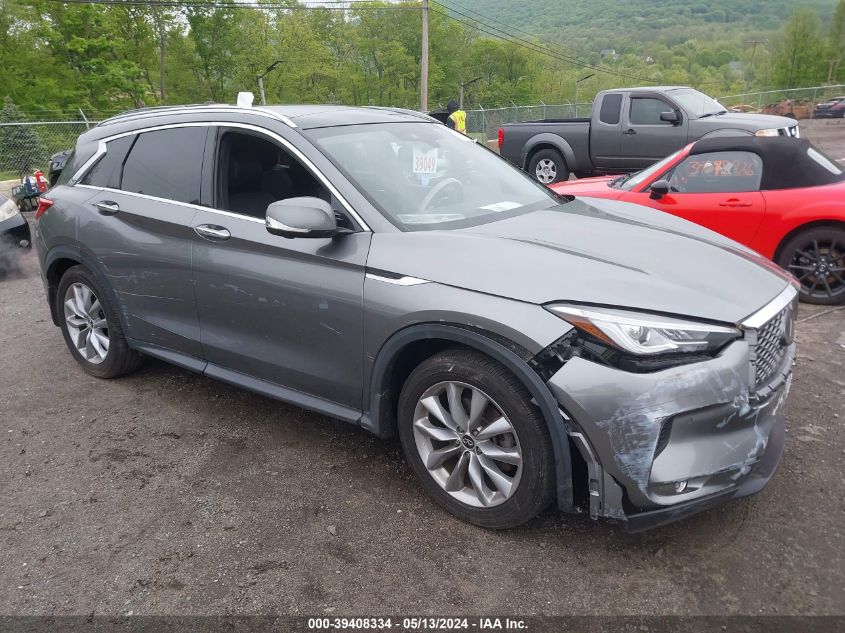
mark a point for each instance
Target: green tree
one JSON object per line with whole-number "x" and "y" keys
{"x": 799, "y": 57}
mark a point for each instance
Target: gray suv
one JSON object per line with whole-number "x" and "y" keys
{"x": 374, "y": 266}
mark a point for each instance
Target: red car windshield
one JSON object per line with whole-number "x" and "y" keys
{"x": 631, "y": 181}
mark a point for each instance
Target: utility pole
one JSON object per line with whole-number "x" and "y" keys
{"x": 464, "y": 85}
{"x": 261, "y": 80}
{"x": 424, "y": 59}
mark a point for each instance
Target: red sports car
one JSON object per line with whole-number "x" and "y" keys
{"x": 781, "y": 197}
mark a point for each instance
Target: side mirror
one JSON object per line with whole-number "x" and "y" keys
{"x": 670, "y": 117}
{"x": 659, "y": 189}
{"x": 301, "y": 217}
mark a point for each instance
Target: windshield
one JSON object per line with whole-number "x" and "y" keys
{"x": 628, "y": 183}
{"x": 423, "y": 176}
{"x": 697, "y": 104}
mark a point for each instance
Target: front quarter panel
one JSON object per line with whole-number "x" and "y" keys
{"x": 391, "y": 307}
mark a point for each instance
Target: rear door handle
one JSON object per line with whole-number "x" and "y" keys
{"x": 629, "y": 132}
{"x": 212, "y": 232}
{"x": 107, "y": 207}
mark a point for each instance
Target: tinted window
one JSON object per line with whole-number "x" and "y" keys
{"x": 166, "y": 164}
{"x": 718, "y": 172}
{"x": 106, "y": 172}
{"x": 647, "y": 111}
{"x": 254, "y": 172}
{"x": 68, "y": 170}
{"x": 611, "y": 107}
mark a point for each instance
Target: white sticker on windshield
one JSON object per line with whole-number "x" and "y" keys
{"x": 425, "y": 162}
{"x": 502, "y": 206}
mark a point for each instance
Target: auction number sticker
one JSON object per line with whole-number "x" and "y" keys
{"x": 425, "y": 162}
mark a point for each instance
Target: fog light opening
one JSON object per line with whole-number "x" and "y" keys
{"x": 680, "y": 487}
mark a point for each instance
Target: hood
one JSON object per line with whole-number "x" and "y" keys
{"x": 591, "y": 251}
{"x": 746, "y": 121}
{"x": 588, "y": 187}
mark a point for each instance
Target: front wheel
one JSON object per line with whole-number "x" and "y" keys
{"x": 548, "y": 167}
{"x": 816, "y": 257}
{"x": 475, "y": 441}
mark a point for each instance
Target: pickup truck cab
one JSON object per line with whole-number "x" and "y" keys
{"x": 628, "y": 130}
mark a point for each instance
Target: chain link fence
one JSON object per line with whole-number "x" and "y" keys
{"x": 483, "y": 123}
{"x": 27, "y": 145}
{"x": 798, "y": 103}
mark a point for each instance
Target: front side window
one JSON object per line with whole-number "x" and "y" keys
{"x": 254, "y": 172}
{"x": 423, "y": 176}
{"x": 166, "y": 164}
{"x": 107, "y": 171}
{"x": 646, "y": 111}
{"x": 718, "y": 172}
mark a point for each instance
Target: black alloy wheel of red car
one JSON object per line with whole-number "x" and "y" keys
{"x": 817, "y": 260}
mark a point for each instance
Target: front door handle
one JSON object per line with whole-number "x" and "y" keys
{"x": 212, "y": 232}
{"x": 629, "y": 132}
{"x": 107, "y": 207}
{"x": 733, "y": 202}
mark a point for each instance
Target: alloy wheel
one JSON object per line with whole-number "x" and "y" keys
{"x": 467, "y": 444}
{"x": 86, "y": 323}
{"x": 820, "y": 268}
{"x": 546, "y": 171}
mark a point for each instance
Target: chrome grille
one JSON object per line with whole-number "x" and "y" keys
{"x": 771, "y": 345}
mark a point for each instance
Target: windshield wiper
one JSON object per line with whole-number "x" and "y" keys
{"x": 717, "y": 113}
{"x": 617, "y": 182}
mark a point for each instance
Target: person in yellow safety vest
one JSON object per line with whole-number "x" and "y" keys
{"x": 457, "y": 118}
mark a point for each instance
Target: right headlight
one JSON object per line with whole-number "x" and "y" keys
{"x": 8, "y": 210}
{"x": 645, "y": 334}
{"x": 772, "y": 131}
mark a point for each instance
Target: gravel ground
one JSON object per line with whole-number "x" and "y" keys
{"x": 169, "y": 493}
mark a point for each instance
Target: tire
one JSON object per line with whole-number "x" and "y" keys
{"x": 816, "y": 257}
{"x": 94, "y": 336}
{"x": 517, "y": 446}
{"x": 548, "y": 167}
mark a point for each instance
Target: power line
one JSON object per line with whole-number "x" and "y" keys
{"x": 221, "y": 4}
{"x": 536, "y": 48}
{"x": 499, "y": 22}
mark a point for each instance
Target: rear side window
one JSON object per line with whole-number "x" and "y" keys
{"x": 166, "y": 164}
{"x": 107, "y": 171}
{"x": 68, "y": 170}
{"x": 611, "y": 107}
{"x": 645, "y": 111}
{"x": 718, "y": 172}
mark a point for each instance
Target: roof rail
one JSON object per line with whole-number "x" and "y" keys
{"x": 153, "y": 111}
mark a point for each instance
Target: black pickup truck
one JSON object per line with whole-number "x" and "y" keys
{"x": 628, "y": 130}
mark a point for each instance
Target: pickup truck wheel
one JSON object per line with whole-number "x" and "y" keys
{"x": 548, "y": 167}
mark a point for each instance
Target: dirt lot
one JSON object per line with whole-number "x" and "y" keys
{"x": 170, "y": 493}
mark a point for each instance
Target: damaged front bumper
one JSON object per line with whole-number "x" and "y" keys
{"x": 660, "y": 446}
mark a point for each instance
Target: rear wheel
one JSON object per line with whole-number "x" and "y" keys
{"x": 475, "y": 441}
{"x": 816, "y": 257}
{"x": 548, "y": 167}
{"x": 91, "y": 327}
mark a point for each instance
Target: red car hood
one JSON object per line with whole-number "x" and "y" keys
{"x": 593, "y": 187}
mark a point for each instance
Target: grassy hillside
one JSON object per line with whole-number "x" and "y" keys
{"x": 635, "y": 25}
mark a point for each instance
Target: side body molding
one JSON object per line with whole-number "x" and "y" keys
{"x": 374, "y": 419}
